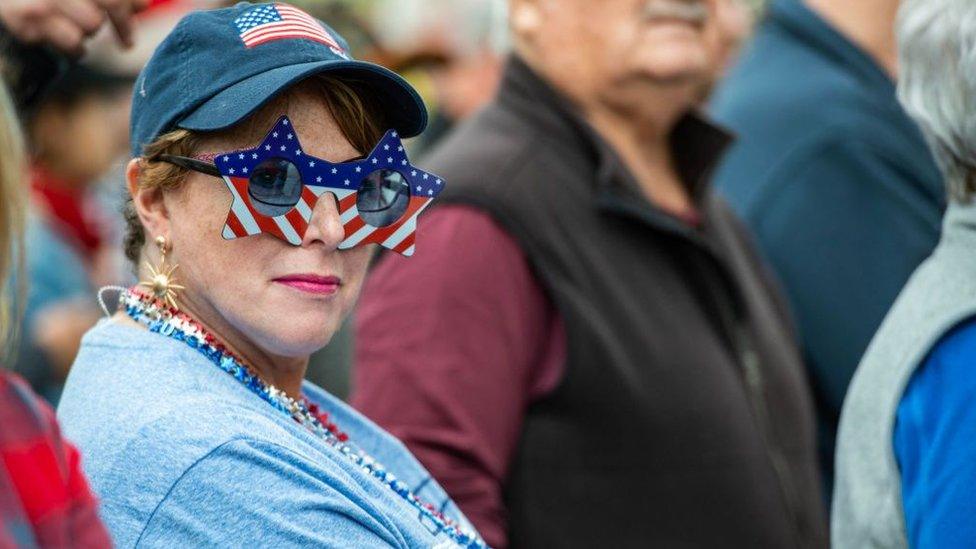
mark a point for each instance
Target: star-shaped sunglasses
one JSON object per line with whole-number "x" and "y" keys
{"x": 276, "y": 186}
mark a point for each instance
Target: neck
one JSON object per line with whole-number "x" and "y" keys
{"x": 868, "y": 23}
{"x": 644, "y": 146}
{"x": 285, "y": 373}
{"x": 639, "y": 135}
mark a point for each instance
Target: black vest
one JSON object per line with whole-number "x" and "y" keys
{"x": 683, "y": 418}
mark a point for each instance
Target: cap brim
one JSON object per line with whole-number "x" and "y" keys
{"x": 405, "y": 110}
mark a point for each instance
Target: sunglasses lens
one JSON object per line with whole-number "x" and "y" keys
{"x": 275, "y": 186}
{"x": 383, "y": 197}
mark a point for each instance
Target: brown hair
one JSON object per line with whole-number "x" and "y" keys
{"x": 354, "y": 108}
{"x": 12, "y": 205}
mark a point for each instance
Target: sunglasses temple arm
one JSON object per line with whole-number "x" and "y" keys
{"x": 191, "y": 164}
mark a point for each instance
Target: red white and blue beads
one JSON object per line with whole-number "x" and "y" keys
{"x": 162, "y": 319}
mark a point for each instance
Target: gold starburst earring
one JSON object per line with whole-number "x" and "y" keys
{"x": 161, "y": 281}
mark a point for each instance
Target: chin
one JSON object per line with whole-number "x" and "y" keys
{"x": 295, "y": 338}
{"x": 299, "y": 347}
{"x": 674, "y": 62}
{"x": 677, "y": 72}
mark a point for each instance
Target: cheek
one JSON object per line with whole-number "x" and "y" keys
{"x": 233, "y": 277}
{"x": 197, "y": 217}
{"x": 354, "y": 264}
{"x": 201, "y": 209}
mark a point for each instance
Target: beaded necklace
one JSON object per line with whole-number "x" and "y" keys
{"x": 162, "y": 319}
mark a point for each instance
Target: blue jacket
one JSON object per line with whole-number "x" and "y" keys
{"x": 836, "y": 182}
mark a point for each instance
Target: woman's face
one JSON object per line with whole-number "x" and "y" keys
{"x": 279, "y": 297}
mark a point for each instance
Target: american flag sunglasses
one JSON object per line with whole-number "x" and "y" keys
{"x": 276, "y": 185}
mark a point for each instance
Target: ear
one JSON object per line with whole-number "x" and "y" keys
{"x": 148, "y": 203}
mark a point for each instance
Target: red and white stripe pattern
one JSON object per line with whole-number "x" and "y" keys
{"x": 270, "y": 22}
{"x": 244, "y": 220}
{"x": 398, "y": 237}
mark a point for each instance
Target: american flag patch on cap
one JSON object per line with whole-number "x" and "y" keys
{"x": 270, "y": 22}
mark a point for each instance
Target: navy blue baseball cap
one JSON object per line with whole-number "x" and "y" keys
{"x": 219, "y": 66}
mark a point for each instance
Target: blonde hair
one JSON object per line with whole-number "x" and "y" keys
{"x": 12, "y": 206}
{"x": 350, "y": 102}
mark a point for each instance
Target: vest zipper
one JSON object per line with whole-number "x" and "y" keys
{"x": 743, "y": 350}
{"x": 753, "y": 376}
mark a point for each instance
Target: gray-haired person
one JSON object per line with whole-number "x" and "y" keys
{"x": 906, "y": 459}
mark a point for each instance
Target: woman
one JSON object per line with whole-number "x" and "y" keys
{"x": 260, "y": 171}
{"x": 906, "y": 448}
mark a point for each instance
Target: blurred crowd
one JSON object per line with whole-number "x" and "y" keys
{"x": 635, "y": 314}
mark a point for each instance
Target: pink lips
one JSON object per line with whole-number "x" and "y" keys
{"x": 311, "y": 283}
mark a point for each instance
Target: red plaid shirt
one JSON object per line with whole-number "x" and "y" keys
{"x": 44, "y": 497}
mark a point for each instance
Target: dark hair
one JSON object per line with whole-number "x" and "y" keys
{"x": 354, "y": 108}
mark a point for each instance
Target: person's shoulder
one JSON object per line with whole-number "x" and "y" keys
{"x": 783, "y": 95}
{"x": 165, "y": 438}
{"x": 171, "y": 418}
{"x": 785, "y": 160}
{"x": 368, "y": 435}
{"x": 488, "y": 148}
{"x": 256, "y": 489}
{"x": 468, "y": 234}
{"x": 202, "y": 474}
{"x": 135, "y": 462}
{"x": 777, "y": 72}
{"x": 462, "y": 245}
{"x": 138, "y": 403}
{"x": 781, "y": 115}
{"x": 385, "y": 448}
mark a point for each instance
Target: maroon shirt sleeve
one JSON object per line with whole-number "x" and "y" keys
{"x": 452, "y": 344}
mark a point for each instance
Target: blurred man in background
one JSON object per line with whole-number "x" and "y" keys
{"x": 832, "y": 176}
{"x": 76, "y": 134}
{"x": 585, "y": 351}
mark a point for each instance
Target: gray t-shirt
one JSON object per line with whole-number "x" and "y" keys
{"x": 182, "y": 455}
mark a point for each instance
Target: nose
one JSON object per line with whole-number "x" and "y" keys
{"x": 325, "y": 226}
